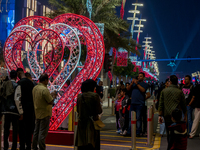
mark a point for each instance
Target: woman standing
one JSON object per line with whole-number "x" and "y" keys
{"x": 88, "y": 108}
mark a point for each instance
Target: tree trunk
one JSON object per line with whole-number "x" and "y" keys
{"x": 120, "y": 78}
{"x": 114, "y": 81}
{"x": 124, "y": 79}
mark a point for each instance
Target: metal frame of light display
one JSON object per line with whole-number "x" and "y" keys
{"x": 49, "y": 37}
{"x": 122, "y": 58}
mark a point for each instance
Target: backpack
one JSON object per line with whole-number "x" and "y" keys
{"x": 9, "y": 103}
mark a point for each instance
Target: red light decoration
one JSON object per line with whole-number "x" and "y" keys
{"x": 110, "y": 75}
{"x": 122, "y": 58}
{"x": 44, "y": 38}
{"x": 114, "y": 53}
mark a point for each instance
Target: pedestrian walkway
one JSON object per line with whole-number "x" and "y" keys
{"x": 193, "y": 144}
{"x": 110, "y": 139}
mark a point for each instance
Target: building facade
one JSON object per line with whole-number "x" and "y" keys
{"x": 11, "y": 11}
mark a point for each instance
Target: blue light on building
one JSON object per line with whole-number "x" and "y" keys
{"x": 7, "y": 18}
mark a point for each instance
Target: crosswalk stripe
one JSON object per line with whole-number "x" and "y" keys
{"x": 140, "y": 138}
{"x": 122, "y": 141}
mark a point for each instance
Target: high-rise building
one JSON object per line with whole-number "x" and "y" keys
{"x": 11, "y": 11}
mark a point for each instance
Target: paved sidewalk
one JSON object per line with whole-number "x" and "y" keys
{"x": 109, "y": 138}
{"x": 193, "y": 144}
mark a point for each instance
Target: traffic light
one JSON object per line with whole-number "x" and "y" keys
{"x": 107, "y": 62}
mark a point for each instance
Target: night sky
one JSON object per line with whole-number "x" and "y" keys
{"x": 174, "y": 27}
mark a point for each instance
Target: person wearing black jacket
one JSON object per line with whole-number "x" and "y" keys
{"x": 10, "y": 110}
{"x": 27, "y": 120}
{"x": 99, "y": 89}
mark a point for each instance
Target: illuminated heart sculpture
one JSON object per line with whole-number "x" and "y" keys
{"x": 44, "y": 40}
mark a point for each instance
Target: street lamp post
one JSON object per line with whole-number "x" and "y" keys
{"x": 140, "y": 25}
{"x": 147, "y": 48}
{"x": 134, "y": 12}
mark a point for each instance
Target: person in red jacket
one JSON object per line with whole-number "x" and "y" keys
{"x": 178, "y": 132}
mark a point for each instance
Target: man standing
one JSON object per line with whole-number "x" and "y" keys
{"x": 99, "y": 89}
{"x": 10, "y": 110}
{"x": 26, "y": 124}
{"x": 43, "y": 102}
{"x": 170, "y": 99}
{"x": 138, "y": 88}
{"x": 162, "y": 126}
{"x": 187, "y": 91}
{"x": 196, "y": 101}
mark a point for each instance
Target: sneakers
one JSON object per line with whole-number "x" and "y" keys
{"x": 119, "y": 131}
{"x": 190, "y": 137}
{"x": 124, "y": 133}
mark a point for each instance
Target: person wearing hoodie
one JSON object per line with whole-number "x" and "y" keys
{"x": 178, "y": 131}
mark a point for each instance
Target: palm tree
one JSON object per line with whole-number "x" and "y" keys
{"x": 103, "y": 11}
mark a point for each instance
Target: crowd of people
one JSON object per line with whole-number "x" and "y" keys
{"x": 28, "y": 107}
{"x": 132, "y": 98}
{"x": 176, "y": 104}
{"x": 185, "y": 99}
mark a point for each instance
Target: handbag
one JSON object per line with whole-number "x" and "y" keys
{"x": 98, "y": 124}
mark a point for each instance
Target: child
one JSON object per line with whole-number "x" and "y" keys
{"x": 123, "y": 112}
{"x": 178, "y": 132}
{"x": 117, "y": 107}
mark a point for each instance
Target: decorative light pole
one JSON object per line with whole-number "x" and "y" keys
{"x": 140, "y": 25}
{"x": 89, "y": 8}
{"x": 134, "y": 12}
{"x": 147, "y": 48}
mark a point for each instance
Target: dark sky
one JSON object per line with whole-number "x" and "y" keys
{"x": 174, "y": 27}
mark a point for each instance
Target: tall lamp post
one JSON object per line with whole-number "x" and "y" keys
{"x": 134, "y": 12}
{"x": 140, "y": 25}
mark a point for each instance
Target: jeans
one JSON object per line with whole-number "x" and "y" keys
{"x": 162, "y": 128}
{"x": 26, "y": 127}
{"x": 126, "y": 124}
{"x": 138, "y": 110}
{"x": 144, "y": 120}
{"x": 10, "y": 118}
{"x": 189, "y": 117}
{"x": 169, "y": 140}
{"x": 40, "y": 133}
{"x": 117, "y": 120}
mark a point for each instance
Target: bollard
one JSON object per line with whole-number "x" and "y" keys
{"x": 108, "y": 100}
{"x": 150, "y": 125}
{"x": 133, "y": 130}
{"x": 75, "y": 128}
{"x": 113, "y": 106}
{"x": 154, "y": 104}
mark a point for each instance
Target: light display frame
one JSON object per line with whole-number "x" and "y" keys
{"x": 84, "y": 31}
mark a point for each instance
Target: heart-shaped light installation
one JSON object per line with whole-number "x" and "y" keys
{"x": 44, "y": 40}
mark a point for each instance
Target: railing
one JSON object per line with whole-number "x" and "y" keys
{"x": 150, "y": 123}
